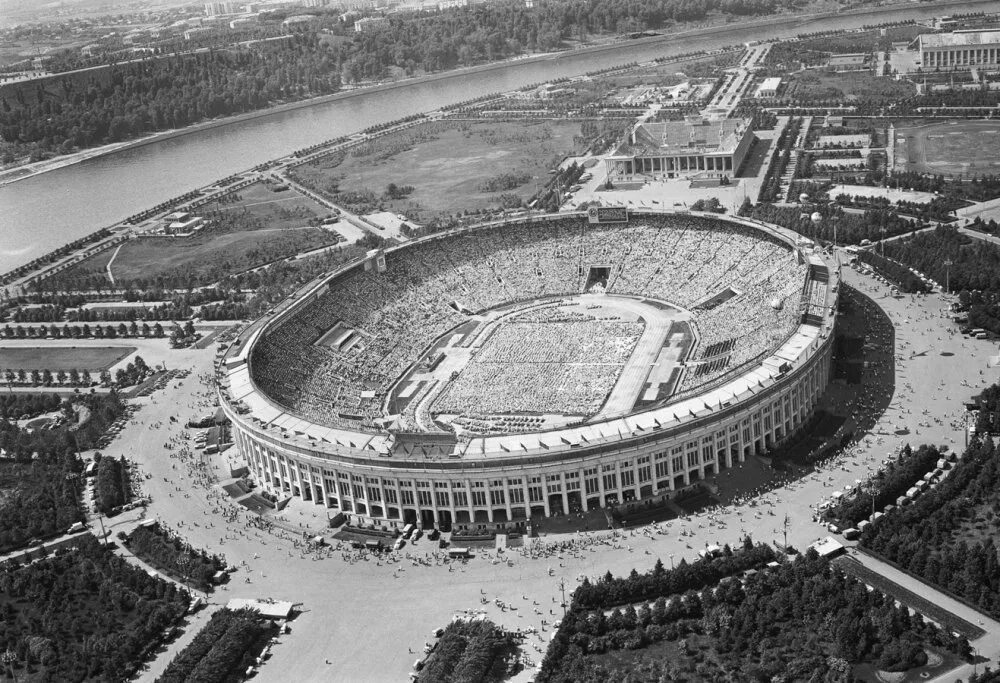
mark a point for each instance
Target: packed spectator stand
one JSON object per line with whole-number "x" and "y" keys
{"x": 742, "y": 287}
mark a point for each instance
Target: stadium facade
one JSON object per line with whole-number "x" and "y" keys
{"x": 500, "y": 481}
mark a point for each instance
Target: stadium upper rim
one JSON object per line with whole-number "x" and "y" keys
{"x": 265, "y": 418}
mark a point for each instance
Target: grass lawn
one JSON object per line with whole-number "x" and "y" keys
{"x": 286, "y": 209}
{"x": 813, "y": 85}
{"x": 55, "y": 358}
{"x": 200, "y": 259}
{"x": 446, "y": 163}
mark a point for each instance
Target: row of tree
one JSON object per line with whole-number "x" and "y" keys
{"x": 885, "y": 486}
{"x": 221, "y": 651}
{"x": 168, "y": 552}
{"x": 610, "y": 591}
{"x": 112, "y": 488}
{"x": 47, "y": 378}
{"x": 84, "y": 331}
{"x": 905, "y": 279}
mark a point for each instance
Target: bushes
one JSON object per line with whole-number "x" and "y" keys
{"x": 472, "y": 651}
{"x": 220, "y": 650}
{"x": 175, "y": 557}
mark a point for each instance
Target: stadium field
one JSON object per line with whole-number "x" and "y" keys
{"x": 950, "y": 148}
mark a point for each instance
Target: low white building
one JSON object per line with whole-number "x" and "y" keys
{"x": 769, "y": 88}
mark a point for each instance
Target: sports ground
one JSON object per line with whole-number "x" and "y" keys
{"x": 55, "y": 358}
{"x": 581, "y": 356}
{"x": 950, "y": 148}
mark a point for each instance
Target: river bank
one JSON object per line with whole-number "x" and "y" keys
{"x": 70, "y": 200}
{"x": 23, "y": 172}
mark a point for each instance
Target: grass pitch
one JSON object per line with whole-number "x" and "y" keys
{"x": 55, "y": 358}
{"x": 950, "y": 148}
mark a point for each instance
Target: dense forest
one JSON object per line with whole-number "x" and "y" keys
{"x": 801, "y": 620}
{"x": 86, "y": 614}
{"x": 39, "y": 499}
{"x": 946, "y": 537}
{"x": 71, "y": 112}
{"x": 40, "y": 487}
{"x": 136, "y": 98}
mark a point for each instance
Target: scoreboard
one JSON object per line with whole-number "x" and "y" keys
{"x": 607, "y": 214}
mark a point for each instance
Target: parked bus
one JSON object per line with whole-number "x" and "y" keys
{"x": 407, "y": 530}
{"x": 459, "y": 553}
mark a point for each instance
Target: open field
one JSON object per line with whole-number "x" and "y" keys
{"x": 950, "y": 148}
{"x": 452, "y": 167}
{"x": 55, "y": 358}
{"x": 285, "y": 209}
{"x": 199, "y": 259}
{"x": 839, "y": 88}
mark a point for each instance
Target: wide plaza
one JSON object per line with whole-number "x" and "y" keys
{"x": 367, "y": 618}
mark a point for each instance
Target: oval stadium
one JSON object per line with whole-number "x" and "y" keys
{"x": 476, "y": 379}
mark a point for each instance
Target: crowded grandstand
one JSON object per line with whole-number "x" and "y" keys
{"x": 336, "y": 360}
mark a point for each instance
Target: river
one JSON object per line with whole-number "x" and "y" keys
{"x": 42, "y": 212}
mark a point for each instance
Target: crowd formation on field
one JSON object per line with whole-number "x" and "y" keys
{"x": 564, "y": 367}
{"x": 396, "y": 315}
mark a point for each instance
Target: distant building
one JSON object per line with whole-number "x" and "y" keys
{"x": 241, "y": 22}
{"x": 298, "y": 20}
{"x": 201, "y": 31}
{"x": 769, "y": 88}
{"x": 452, "y": 4}
{"x": 213, "y": 9}
{"x": 959, "y": 50}
{"x": 848, "y": 62}
{"x": 694, "y": 146}
{"x": 369, "y": 24}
